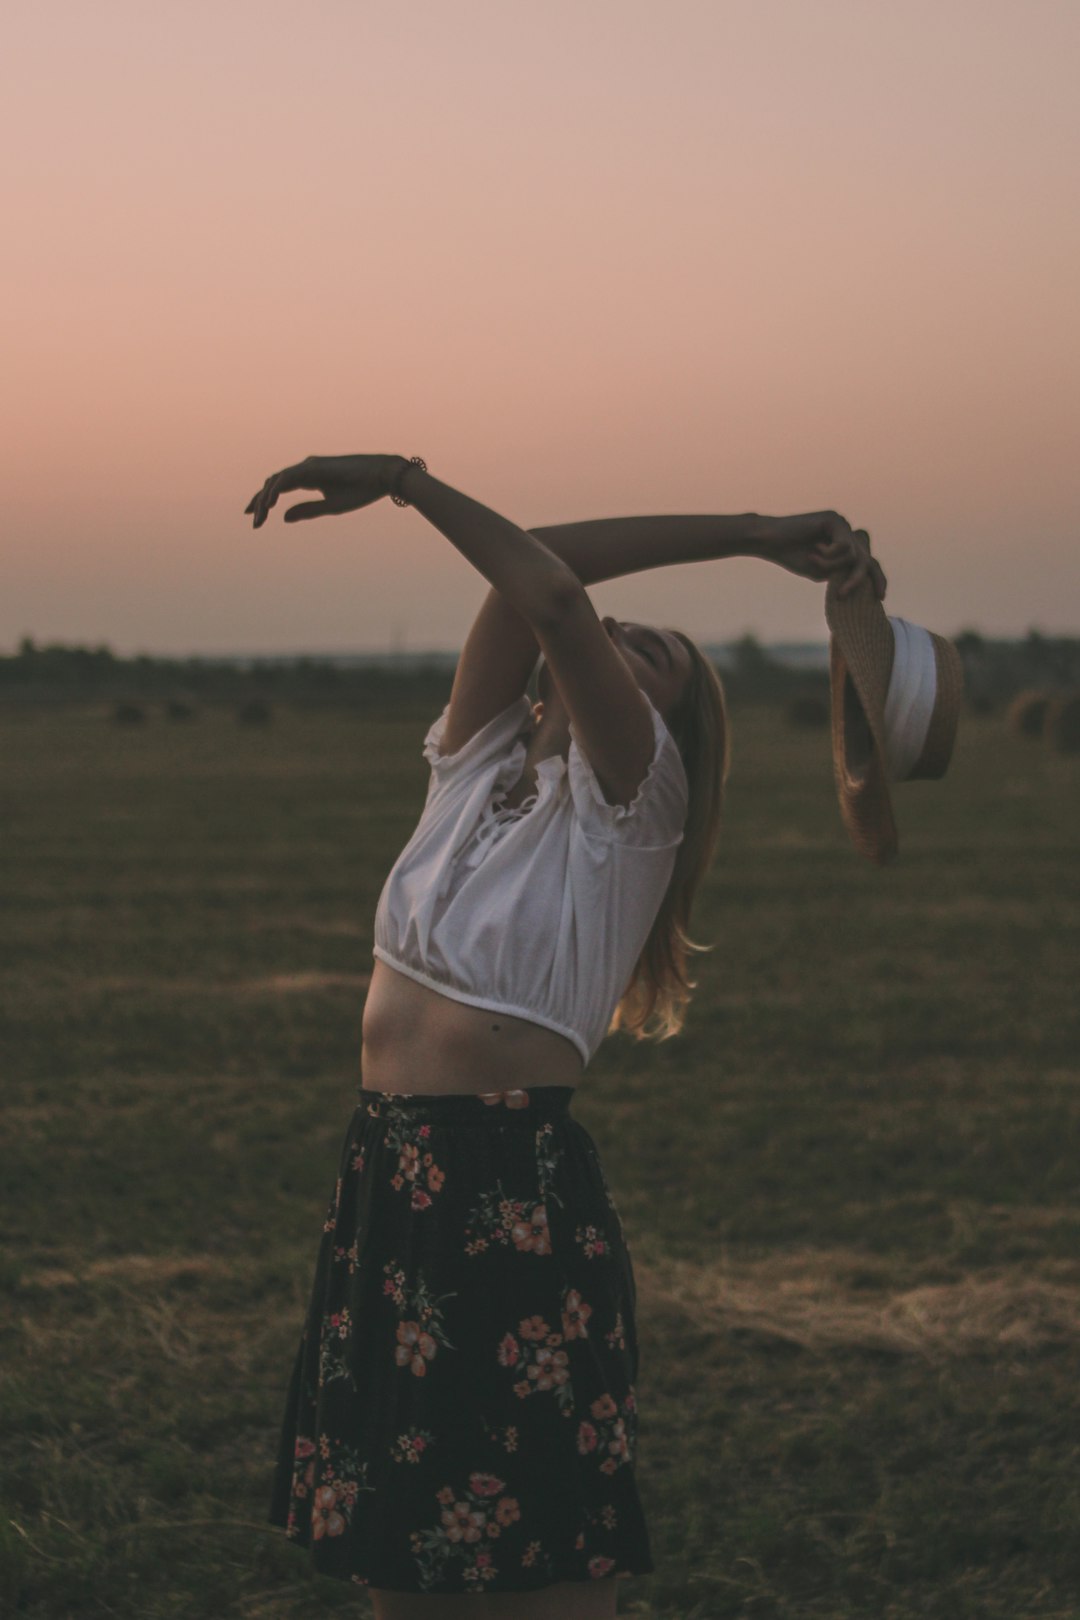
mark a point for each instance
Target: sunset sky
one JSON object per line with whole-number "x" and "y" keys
{"x": 588, "y": 258}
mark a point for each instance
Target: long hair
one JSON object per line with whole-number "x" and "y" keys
{"x": 654, "y": 1003}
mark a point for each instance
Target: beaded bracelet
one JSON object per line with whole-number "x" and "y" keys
{"x": 414, "y": 461}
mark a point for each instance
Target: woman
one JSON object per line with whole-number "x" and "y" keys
{"x": 462, "y": 1415}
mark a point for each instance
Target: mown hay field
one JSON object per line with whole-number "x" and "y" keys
{"x": 850, "y": 1188}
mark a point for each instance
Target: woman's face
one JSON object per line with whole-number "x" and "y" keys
{"x": 658, "y": 660}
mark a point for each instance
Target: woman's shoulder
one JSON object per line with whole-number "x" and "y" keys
{"x": 656, "y": 816}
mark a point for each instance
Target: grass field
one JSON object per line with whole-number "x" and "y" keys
{"x": 851, "y": 1187}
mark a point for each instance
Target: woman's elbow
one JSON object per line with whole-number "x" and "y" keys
{"x": 562, "y": 597}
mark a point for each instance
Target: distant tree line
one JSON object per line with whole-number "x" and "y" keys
{"x": 62, "y": 673}
{"x": 994, "y": 672}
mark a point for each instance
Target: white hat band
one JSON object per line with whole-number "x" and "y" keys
{"x": 909, "y": 703}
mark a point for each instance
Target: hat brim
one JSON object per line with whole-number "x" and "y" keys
{"x": 860, "y": 663}
{"x": 862, "y": 787}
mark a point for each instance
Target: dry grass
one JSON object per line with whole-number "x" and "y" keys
{"x": 273, "y": 984}
{"x": 850, "y": 1186}
{"x": 806, "y": 1299}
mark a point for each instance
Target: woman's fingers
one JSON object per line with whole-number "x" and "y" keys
{"x": 856, "y": 577}
{"x": 257, "y": 505}
{"x": 866, "y": 567}
{"x": 295, "y": 477}
{"x": 850, "y": 553}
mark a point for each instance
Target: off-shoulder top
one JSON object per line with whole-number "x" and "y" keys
{"x": 539, "y": 910}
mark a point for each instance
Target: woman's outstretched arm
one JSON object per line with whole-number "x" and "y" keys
{"x": 535, "y": 574}
{"x": 607, "y": 548}
{"x": 501, "y": 648}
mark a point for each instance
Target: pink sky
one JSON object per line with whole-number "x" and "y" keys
{"x": 588, "y": 259}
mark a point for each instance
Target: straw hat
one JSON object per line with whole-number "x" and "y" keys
{"x": 895, "y": 689}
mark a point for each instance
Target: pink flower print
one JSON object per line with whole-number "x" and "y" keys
{"x": 325, "y": 1519}
{"x": 425, "y": 1131}
{"x": 302, "y": 1486}
{"x": 304, "y": 1447}
{"x": 507, "y": 1510}
{"x": 599, "y": 1566}
{"x": 575, "y": 1314}
{"x": 413, "y": 1346}
{"x": 603, "y": 1407}
{"x": 531, "y": 1233}
{"x": 508, "y": 1351}
{"x": 486, "y": 1484}
{"x": 618, "y": 1445}
{"x": 407, "y": 1162}
{"x": 549, "y": 1368}
{"x": 420, "y": 1199}
{"x": 586, "y": 1438}
{"x": 533, "y": 1327}
{"x": 463, "y": 1523}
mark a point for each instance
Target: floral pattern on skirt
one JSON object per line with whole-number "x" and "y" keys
{"x": 461, "y": 1415}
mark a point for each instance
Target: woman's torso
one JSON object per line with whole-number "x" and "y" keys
{"x": 415, "y": 1040}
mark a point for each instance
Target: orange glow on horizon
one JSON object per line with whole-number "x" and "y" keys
{"x": 759, "y": 256}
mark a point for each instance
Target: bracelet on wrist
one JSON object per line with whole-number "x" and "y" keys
{"x": 414, "y": 461}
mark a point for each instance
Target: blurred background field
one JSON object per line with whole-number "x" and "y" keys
{"x": 850, "y": 1188}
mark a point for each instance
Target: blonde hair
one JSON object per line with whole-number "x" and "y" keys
{"x": 654, "y": 1003}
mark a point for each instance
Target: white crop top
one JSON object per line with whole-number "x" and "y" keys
{"x": 539, "y": 910}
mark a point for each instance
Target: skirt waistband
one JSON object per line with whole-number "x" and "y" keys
{"x": 516, "y": 1105}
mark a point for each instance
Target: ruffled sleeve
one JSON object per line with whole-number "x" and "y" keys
{"x": 492, "y": 742}
{"x": 656, "y": 816}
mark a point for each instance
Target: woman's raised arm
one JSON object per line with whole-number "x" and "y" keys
{"x": 810, "y": 544}
{"x": 606, "y": 548}
{"x": 536, "y": 574}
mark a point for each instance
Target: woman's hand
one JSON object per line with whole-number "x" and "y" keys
{"x": 346, "y": 482}
{"x": 817, "y": 545}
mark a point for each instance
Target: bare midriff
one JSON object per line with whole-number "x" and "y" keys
{"x": 416, "y": 1040}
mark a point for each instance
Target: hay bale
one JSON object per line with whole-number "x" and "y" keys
{"x": 255, "y": 712}
{"x": 1026, "y": 714}
{"x": 177, "y": 709}
{"x": 129, "y": 714}
{"x": 1062, "y": 725}
{"x": 808, "y": 712}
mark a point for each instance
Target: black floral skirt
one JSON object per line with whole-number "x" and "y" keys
{"x": 461, "y": 1415}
